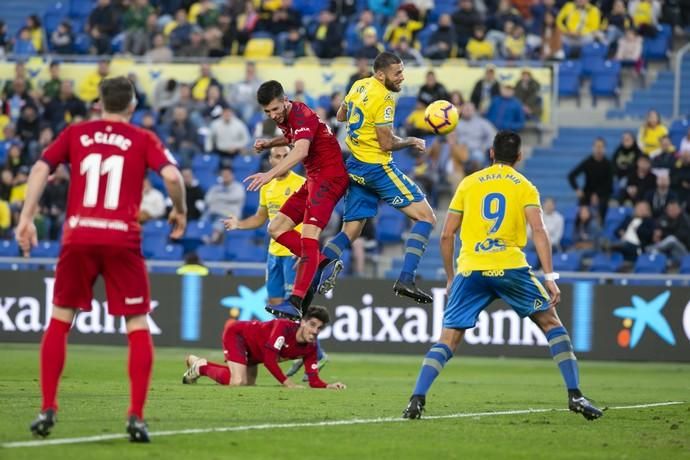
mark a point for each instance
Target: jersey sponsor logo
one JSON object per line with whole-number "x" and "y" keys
{"x": 493, "y": 273}
{"x": 358, "y": 179}
{"x": 133, "y": 300}
{"x": 302, "y": 130}
{"x": 94, "y": 222}
{"x": 280, "y": 341}
{"x": 490, "y": 245}
{"x": 397, "y": 200}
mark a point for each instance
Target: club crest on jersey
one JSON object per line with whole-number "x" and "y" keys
{"x": 280, "y": 341}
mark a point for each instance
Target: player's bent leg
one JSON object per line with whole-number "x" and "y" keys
{"x": 192, "y": 373}
{"x": 282, "y": 229}
{"x": 52, "y": 355}
{"x": 434, "y": 362}
{"x": 238, "y": 374}
{"x": 562, "y": 351}
{"x": 140, "y": 365}
{"x": 252, "y": 372}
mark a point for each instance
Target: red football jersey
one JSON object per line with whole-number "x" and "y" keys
{"x": 108, "y": 162}
{"x": 273, "y": 341}
{"x": 324, "y": 151}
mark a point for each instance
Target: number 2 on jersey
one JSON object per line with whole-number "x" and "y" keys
{"x": 494, "y": 209}
{"x": 354, "y": 125}
{"x": 94, "y": 168}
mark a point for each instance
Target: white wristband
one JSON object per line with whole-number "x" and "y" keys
{"x": 551, "y": 276}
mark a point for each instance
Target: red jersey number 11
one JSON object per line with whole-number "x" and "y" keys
{"x": 94, "y": 167}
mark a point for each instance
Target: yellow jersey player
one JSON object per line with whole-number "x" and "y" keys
{"x": 369, "y": 110}
{"x": 491, "y": 209}
{"x": 280, "y": 272}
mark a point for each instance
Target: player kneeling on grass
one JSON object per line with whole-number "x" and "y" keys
{"x": 248, "y": 343}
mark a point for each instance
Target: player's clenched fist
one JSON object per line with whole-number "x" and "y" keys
{"x": 231, "y": 223}
{"x": 178, "y": 221}
{"x": 261, "y": 144}
{"x": 418, "y": 144}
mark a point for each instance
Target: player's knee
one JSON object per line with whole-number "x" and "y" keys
{"x": 275, "y": 229}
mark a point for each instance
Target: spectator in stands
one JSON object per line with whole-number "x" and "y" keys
{"x": 243, "y": 93}
{"x": 28, "y": 130}
{"x": 505, "y": 111}
{"x": 214, "y": 104}
{"x": 160, "y": 52}
{"x": 680, "y": 178}
{"x": 629, "y": 50}
{"x": 505, "y": 12}
{"x": 88, "y": 88}
{"x": 328, "y": 37}
{"x": 302, "y": 95}
{"x": 474, "y": 135}
{"x": 45, "y": 138}
{"x": 51, "y": 88}
{"x": 213, "y": 38}
{"x": 6, "y": 183}
{"x": 432, "y": 90}
{"x": 152, "y": 203}
{"x": 661, "y": 195}
{"x": 196, "y": 47}
{"x": 194, "y": 195}
{"x": 54, "y": 200}
{"x": 528, "y": 91}
{"x": 100, "y": 44}
{"x": 343, "y": 8}
{"x": 645, "y": 15}
{"x": 62, "y": 39}
{"x": 578, "y": 21}
{"x": 294, "y": 45}
{"x": 466, "y": 18}
{"x": 228, "y": 135}
{"x": 382, "y": 9}
{"x": 456, "y": 99}
{"x": 685, "y": 143}
{"x": 139, "y": 93}
{"x": 23, "y": 46}
{"x": 246, "y": 24}
{"x": 166, "y": 94}
{"x": 201, "y": 84}
{"x": 666, "y": 158}
{"x": 618, "y": 22}
{"x": 222, "y": 200}
{"x": 18, "y": 99}
{"x": 61, "y": 110}
{"x": 415, "y": 125}
{"x": 515, "y": 43}
{"x": 625, "y": 157}
{"x": 672, "y": 233}
{"x": 635, "y": 232}
{"x": 598, "y": 172}
{"x": 639, "y": 182}
{"x": 22, "y": 75}
{"x": 554, "y": 222}
{"x": 442, "y": 40}
{"x": 485, "y": 90}
{"x": 33, "y": 23}
{"x": 205, "y": 13}
{"x": 371, "y": 47}
{"x": 365, "y": 20}
{"x": 538, "y": 11}
{"x": 4, "y": 39}
{"x": 478, "y": 47}
{"x": 182, "y": 138}
{"x": 18, "y": 191}
{"x": 284, "y": 19}
{"x": 587, "y": 233}
{"x": 134, "y": 23}
{"x": 193, "y": 107}
{"x": 650, "y": 134}
{"x": 363, "y": 71}
{"x": 103, "y": 22}
{"x": 179, "y": 31}
{"x": 401, "y": 26}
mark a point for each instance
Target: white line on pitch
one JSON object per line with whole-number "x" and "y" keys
{"x": 271, "y": 426}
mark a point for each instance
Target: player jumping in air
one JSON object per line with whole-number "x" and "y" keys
{"x": 317, "y": 148}
{"x": 491, "y": 209}
{"x": 109, "y": 159}
{"x": 369, "y": 109}
{"x": 248, "y": 343}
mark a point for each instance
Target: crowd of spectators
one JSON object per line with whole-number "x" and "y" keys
{"x": 477, "y": 29}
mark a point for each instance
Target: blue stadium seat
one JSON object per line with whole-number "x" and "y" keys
{"x": 52, "y": 18}
{"x": 324, "y": 101}
{"x": 163, "y": 270}
{"x": 210, "y": 253}
{"x": 569, "y": 74}
{"x": 532, "y": 259}
{"x": 685, "y": 265}
{"x": 604, "y": 262}
{"x": 253, "y": 272}
{"x": 169, "y": 252}
{"x": 310, "y": 7}
{"x": 251, "y": 204}
{"x": 592, "y": 56}
{"x": 157, "y": 182}
{"x": 678, "y": 130}
{"x": 614, "y": 218}
{"x": 195, "y": 233}
{"x": 658, "y": 48}
{"x": 567, "y": 261}
{"x": 403, "y": 109}
{"x": 235, "y": 239}
{"x": 606, "y": 81}
{"x": 205, "y": 162}
{"x": 425, "y": 34}
{"x": 9, "y": 248}
{"x": 153, "y": 244}
{"x": 249, "y": 253}
{"x": 405, "y": 160}
{"x": 156, "y": 227}
{"x": 206, "y": 179}
{"x": 651, "y": 263}
{"x": 245, "y": 165}
{"x": 46, "y": 249}
{"x": 80, "y": 8}
{"x": 389, "y": 229}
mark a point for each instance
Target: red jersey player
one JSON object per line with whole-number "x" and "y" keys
{"x": 312, "y": 205}
{"x": 109, "y": 159}
{"x": 248, "y": 343}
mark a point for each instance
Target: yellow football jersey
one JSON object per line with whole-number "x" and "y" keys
{"x": 494, "y": 227}
{"x": 369, "y": 104}
{"x": 272, "y": 196}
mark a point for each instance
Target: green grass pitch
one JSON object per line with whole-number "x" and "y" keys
{"x": 94, "y": 398}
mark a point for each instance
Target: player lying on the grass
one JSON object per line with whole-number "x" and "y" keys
{"x": 248, "y": 343}
{"x": 491, "y": 209}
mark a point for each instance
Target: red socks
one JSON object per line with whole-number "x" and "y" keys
{"x": 291, "y": 240}
{"x": 53, "y": 351}
{"x": 140, "y": 366}
{"x": 307, "y": 266}
{"x": 218, "y": 372}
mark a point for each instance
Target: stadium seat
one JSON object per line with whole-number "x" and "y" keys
{"x": 195, "y": 233}
{"x": 679, "y": 129}
{"x": 650, "y": 263}
{"x": 235, "y": 239}
{"x": 210, "y": 253}
{"x": 658, "y": 48}
{"x": 80, "y": 8}
{"x": 614, "y": 218}
{"x": 685, "y": 265}
{"x": 324, "y": 101}
{"x": 169, "y": 252}
{"x": 156, "y": 227}
{"x": 310, "y": 7}
{"x": 569, "y": 74}
{"x": 259, "y": 48}
{"x": 389, "y": 229}
{"x": 206, "y": 179}
{"x": 606, "y": 81}
{"x": 9, "y": 248}
{"x": 604, "y": 262}
{"x": 163, "y": 270}
{"x": 205, "y": 162}
{"x": 403, "y": 109}
{"x": 46, "y": 249}
{"x": 532, "y": 259}
{"x": 52, "y": 18}
{"x": 250, "y": 253}
{"x": 251, "y": 204}
{"x": 592, "y": 56}
{"x": 153, "y": 244}
{"x": 249, "y": 272}
{"x": 157, "y": 182}
{"x": 567, "y": 261}
{"x": 245, "y": 165}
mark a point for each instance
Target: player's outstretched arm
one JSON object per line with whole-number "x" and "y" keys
{"x": 298, "y": 153}
{"x": 174, "y": 184}
{"x": 263, "y": 144}
{"x": 542, "y": 244}
{"x": 26, "y": 230}
{"x": 389, "y": 142}
{"x": 450, "y": 228}
{"x": 257, "y": 220}
{"x": 342, "y": 113}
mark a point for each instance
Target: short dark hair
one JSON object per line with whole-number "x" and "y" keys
{"x": 116, "y": 94}
{"x": 268, "y": 91}
{"x": 384, "y": 60}
{"x": 507, "y": 147}
{"x": 318, "y": 312}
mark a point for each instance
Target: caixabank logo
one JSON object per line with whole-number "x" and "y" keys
{"x": 641, "y": 316}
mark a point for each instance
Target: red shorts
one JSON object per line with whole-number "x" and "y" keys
{"x": 234, "y": 346}
{"x": 124, "y": 272}
{"x": 314, "y": 202}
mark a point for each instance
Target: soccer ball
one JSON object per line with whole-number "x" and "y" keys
{"x": 441, "y": 116}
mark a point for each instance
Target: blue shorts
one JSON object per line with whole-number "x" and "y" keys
{"x": 280, "y": 276}
{"x": 472, "y": 292}
{"x": 370, "y": 182}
